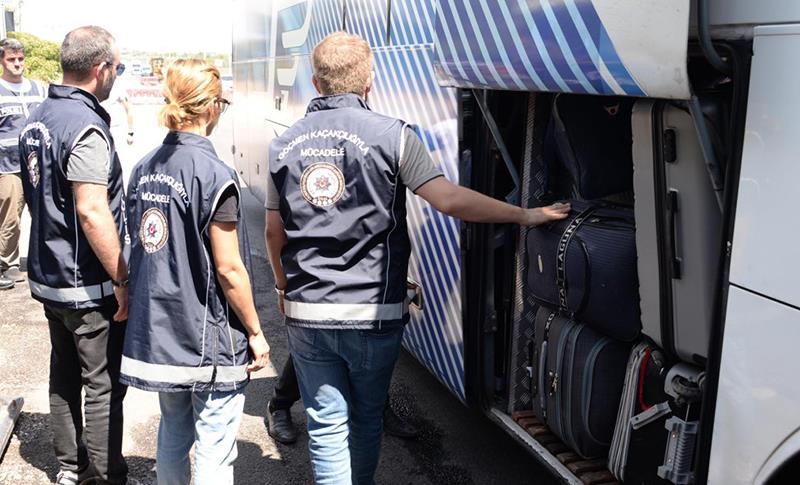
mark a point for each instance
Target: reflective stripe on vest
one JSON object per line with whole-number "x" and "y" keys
{"x": 179, "y": 374}
{"x": 68, "y": 295}
{"x": 361, "y": 312}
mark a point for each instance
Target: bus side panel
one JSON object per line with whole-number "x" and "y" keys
{"x": 412, "y": 22}
{"x": 765, "y": 236}
{"x": 405, "y": 87}
{"x": 758, "y": 402}
{"x": 251, "y": 44}
{"x": 367, "y": 18}
{"x": 279, "y": 87}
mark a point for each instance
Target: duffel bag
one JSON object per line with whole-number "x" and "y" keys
{"x": 585, "y": 266}
{"x": 593, "y": 140}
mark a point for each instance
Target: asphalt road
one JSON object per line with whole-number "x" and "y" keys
{"x": 456, "y": 446}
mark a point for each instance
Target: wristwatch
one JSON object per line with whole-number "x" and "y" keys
{"x": 120, "y": 284}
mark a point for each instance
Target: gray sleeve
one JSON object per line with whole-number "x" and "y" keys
{"x": 416, "y": 165}
{"x": 89, "y": 159}
{"x": 273, "y": 198}
{"x": 227, "y": 209}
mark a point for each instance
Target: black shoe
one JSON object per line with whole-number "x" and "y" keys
{"x": 395, "y": 426}
{"x": 13, "y": 273}
{"x": 280, "y": 426}
{"x": 6, "y": 283}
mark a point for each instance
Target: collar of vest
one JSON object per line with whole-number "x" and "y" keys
{"x": 335, "y": 101}
{"x": 59, "y": 91}
{"x": 189, "y": 139}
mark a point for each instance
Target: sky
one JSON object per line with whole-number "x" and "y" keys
{"x": 149, "y": 25}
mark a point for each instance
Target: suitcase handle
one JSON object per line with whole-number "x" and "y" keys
{"x": 674, "y": 258}
{"x": 561, "y": 255}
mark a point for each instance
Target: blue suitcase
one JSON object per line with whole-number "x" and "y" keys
{"x": 585, "y": 266}
{"x": 578, "y": 376}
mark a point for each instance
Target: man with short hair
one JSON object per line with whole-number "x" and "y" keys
{"x": 18, "y": 97}
{"x": 73, "y": 186}
{"x": 339, "y": 247}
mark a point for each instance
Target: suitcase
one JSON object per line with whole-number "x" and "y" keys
{"x": 678, "y": 230}
{"x": 585, "y": 266}
{"x": 592, "y": 135}
{"x": 578, "y": 378}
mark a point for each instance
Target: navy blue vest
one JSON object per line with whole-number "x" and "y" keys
{"x": 181, "y": 333}
{"x": 343, "y": 206}
{"x": 15, "y": 107}
{"x": 62, "y": 268}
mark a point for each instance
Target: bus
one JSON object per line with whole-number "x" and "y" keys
{"x": 672, "y": 127}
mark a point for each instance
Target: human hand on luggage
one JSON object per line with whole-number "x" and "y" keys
{"x": 259, "y": 348}
{"x": 541, "y": 215}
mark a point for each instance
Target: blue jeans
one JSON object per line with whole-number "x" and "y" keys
{"x": 344, "y": 378}
{"x": 207, "y": 420}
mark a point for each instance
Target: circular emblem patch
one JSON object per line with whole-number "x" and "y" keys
{"x": 33, "y": 169}
{"x": 322, "y": 184}
{"x": 153, "y": 233}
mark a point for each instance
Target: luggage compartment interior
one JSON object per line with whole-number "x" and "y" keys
{"x": 676, "y": 164}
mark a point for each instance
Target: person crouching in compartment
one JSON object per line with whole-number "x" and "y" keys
{"x": 192, "y": 316}
{"x": 339, "y": 247}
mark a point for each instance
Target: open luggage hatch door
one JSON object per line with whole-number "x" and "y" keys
{"x": 610, "y": 47}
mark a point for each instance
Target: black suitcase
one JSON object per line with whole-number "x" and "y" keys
{"x": 592, "y": 135}
{"x": 585, "y": 266}
{"x": 578, "y": 376}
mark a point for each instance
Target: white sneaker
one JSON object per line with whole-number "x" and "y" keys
{"x": 66, "y": 477}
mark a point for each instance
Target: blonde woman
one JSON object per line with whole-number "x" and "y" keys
{"x": 191, "y": 316}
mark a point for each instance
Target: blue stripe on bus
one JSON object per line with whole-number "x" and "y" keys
{"x": 523, "y": 60}
{"x": 436, "y": 333}
{"x": 499, "y": 45}
{"x": 554, "y": 48}
{"x": 483, "y": 42}
{"x": 457, "y": 50}
{"x": 461, "y": 42}
{"x": 411, "y": 22}
{"x": 606, "y": 48}
{"x": 575, "y": 53}
{"x": 587, "y": 64}
{"x": 541, "y": 45}
{"x": 444, "y": 320}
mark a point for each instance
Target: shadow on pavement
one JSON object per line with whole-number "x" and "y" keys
{"x": 35, "y": 439}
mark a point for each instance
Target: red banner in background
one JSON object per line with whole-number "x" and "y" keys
{"x": 148, "y": 90}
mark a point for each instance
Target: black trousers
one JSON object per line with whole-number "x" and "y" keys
{"x": 287, "y": 391}
{"x": 86, "y": 354}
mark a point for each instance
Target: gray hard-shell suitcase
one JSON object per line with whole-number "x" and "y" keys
{"x": 678, "y": 230}
{"x": 578, "y": 376}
